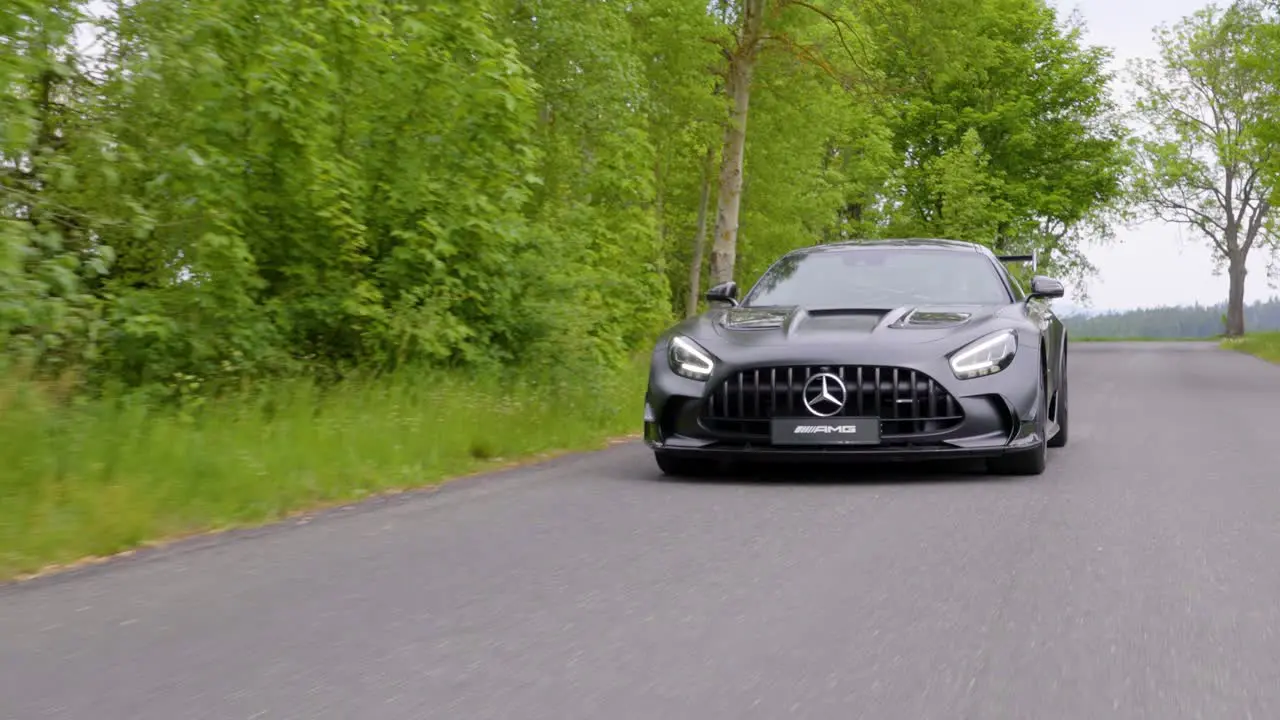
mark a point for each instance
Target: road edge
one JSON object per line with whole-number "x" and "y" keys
{"x": 172, "y": 545}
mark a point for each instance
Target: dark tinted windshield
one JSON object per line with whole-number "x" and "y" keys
{"x": 880, "y": 278}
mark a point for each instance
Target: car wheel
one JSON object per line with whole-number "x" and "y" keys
{"x": 683, "y": 466}
{"x": 1026, "y": 462}
{"x": 1060, "y": 440}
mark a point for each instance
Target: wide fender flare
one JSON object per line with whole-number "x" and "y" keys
{"x": 1061, "y": 369}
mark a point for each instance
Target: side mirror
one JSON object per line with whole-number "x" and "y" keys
{"x": 724, "y": 292}
{"x": 1046, "y": 287}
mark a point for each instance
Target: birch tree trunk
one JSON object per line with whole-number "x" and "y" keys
{"x": 699, "y": 238}
{"x": 729, "y": 198}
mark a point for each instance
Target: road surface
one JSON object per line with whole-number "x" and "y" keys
{"x": 1138, "y": 578}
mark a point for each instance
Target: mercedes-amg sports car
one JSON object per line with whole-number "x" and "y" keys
{"x": 888, "y": 350}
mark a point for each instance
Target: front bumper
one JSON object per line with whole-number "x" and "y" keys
{"x": 1000, "y": 416}
{"x": 892, "y": 453}
{"x": 972, "y": 446}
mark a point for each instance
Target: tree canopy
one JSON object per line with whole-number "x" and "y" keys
{"x": 227, "y": 189}
{"x": 1206, "y": 110}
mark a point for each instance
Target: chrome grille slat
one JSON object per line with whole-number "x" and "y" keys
{"x": 897, "y": 411}
{"x": 915, "y": 403}
{"x": 791, "y": 396}
{"x": 907, "y": 402}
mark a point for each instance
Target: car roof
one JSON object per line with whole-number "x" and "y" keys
{"x": 913, "y": 243}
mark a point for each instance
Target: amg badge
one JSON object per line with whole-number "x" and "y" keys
{"x": 844, "y": 431}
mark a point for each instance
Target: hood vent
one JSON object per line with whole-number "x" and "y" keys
{"x": 755, "y": 318}
{"x": 931, "y": 319}
{"x": 847, "y": 312}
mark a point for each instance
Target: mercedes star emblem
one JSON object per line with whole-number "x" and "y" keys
{"x": 825, "y": 394}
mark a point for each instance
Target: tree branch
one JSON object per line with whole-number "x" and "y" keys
{"x": 840, "y": 27}
{"x": 1246, "y": 196}
{"x": 1169, "y": 209}
{"x": 1204, "y": 125}
{"x": 717, "y": 41}
{"x": 807, "y": 54}
{"x": 1256, "y": 221}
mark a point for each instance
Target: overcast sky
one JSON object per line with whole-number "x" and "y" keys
{"x": 1153, "y": 263}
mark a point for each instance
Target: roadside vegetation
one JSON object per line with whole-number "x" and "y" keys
{"x": 1139, "y": 338}
{"x": 259, "y": 256}
{"x": 98, "y": 477}
{"x": 1265, "y": 345}
{"x": 256, "y": 256}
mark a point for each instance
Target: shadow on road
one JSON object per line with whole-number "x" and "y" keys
{"x": 862, "y": 473}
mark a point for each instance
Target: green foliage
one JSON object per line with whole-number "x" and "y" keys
{"x": 808, "y": 142}
{"x": 47, "y": 254}
{"x": 684, "y": 122}
{"x": 592, "y": 218}
{"x": 342, "y": 182}
{"x": 1265, "y": 345}
{"x": 104, "y": 476}
{"x": 231, "y": 190}
{"x": 229, "y": 194}
{"x": 1004, "y": 121}
{"x": 1204, "y": 158}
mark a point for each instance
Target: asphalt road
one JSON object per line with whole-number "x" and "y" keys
{"x": 1138, "y": 578}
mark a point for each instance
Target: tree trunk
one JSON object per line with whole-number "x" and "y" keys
{"x": 660, "y": 202}
{"x": 700, "y": 238}
{"x": 729, "y": 199}
{"x": 1236, "y": 272}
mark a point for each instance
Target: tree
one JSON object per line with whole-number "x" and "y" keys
{"x": 48, "y": 158}
{"x": 1005, "y": 128}
{"x": 236, "y": 191}
{"x": 741, "y": 59}
{"x": 699, "y": 240}
{"x": 685, "y": 124}
{"x": 1203, "y": 152}
{"x": 757, "y": 24}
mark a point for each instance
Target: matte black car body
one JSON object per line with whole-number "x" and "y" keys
{"x": 895, "y": 366}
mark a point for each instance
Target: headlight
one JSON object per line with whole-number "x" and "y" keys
{"x": 985, "y": 356}
{"x": 688, "y": 359}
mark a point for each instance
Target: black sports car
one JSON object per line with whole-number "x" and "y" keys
{"x": 890, "y": 350}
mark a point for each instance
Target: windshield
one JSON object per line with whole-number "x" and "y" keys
{"x": 880, "y": 278}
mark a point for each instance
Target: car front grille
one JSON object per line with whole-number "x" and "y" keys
{"x": 908, "y": 402}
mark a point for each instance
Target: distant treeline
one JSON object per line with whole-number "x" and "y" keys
{"x": 1182, "y": 321}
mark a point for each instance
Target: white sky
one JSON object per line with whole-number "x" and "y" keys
{"x": 1152, "y": 263}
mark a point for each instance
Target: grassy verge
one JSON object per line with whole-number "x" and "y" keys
{"x": 1142, "y": 339}
{"x": 105, "y": 477}
{"x": 1265, "y": 345}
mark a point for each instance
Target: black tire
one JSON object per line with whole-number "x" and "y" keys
{"x": 1026, "y": 462}
{"x": 683, "y": 466}
{"x": 1060, "y": 440}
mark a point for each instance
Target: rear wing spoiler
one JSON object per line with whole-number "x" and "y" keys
{"x": 1033, "y": 258}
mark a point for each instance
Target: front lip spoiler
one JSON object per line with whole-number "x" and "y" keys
{"x": 768, "y": 454}
{"x": 1025, "y": 440}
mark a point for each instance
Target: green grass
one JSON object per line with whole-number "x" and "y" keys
{"x": 105, "y": 477}
{"x": 1142, "y": 339}
{"x": 1265, "y": 345}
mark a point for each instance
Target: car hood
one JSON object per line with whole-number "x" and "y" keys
{"x": 797, "y": 326}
